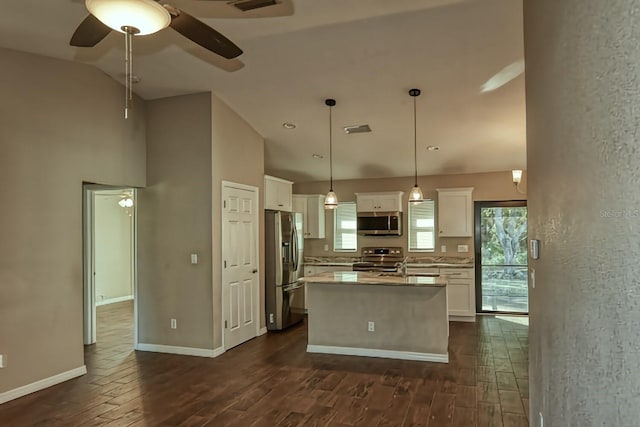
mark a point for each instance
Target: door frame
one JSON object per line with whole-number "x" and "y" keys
{"x": 89, "y": 191}
{"x": 477, "y": 242}
{"x": 256, "y": 216}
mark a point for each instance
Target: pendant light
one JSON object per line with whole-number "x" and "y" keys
{"x": 415, "y": 195}
{"x": 331, "y": 200}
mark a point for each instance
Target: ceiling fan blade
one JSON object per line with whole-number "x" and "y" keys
{"x": 89, "y": 33}
{"x": 202, "y": 34}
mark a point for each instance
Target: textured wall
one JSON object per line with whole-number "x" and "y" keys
{"x": 174, "y": 221}
{"x": 237, "y": 155}
{"x": 582, "y": 68}
{"x": 61, "y": 123}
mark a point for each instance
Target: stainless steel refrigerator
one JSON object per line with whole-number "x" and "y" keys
{"x": 283, "y": 267}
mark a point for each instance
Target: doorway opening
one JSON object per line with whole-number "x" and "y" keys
{"x": 502, "y": 284}
{"x": 109, "y": 235}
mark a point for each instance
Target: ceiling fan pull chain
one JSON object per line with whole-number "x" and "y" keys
{"x": 128, "y": 72}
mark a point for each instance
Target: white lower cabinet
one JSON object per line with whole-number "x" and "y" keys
{"x": 461, "y": 290}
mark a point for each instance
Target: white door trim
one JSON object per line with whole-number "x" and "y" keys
{"x": 88, "y": 233}
{"x": 256, "y": 218}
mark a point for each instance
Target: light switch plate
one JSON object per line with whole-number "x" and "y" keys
{"x": 534, "y": 248}
{"x": 1, "y": 360}
{"x": 463, "y": 248}
{"x": 326, "y": 248}
{"x": 194, "y": 258}
{"x": 443, "y": 248}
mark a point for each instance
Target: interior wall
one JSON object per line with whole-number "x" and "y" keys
{"x": 494, "y": 186}
{"x": 113, "y": 248}
{"x": 61, "y": 123}
{"x": 174, "y": 221}
{"x": 237, "y": 155}
{"x": 582, "y": 87}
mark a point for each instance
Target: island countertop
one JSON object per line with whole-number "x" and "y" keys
{"x": 375, "y": 278}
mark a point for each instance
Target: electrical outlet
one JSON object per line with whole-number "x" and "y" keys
{"x": 194, "y": 258}
{"x": 326, "y": 248}
{"x": 3, "y": 361}
{"x": 174, "y": 324}
{"x": 371, "y": 326}
{"x": 463, "y": 248}
{"x": 443, "y": 248}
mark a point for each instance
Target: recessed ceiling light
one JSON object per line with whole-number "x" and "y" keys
{"x": 318, "y": 156}
{"x": 288, "y": 125}
{"x": 433, "y": 147}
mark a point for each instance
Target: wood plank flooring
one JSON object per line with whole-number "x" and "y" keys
{"x": 272, "y": 381}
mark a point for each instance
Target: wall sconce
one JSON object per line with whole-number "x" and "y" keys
{"x": 516, "y": 175}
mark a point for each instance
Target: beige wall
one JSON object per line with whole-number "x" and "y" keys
{"x": 494, "y": 186}
{"x": 195, "y": 142}
{"x": 582, "y": 86}
{"x": 237, "y": 155}
{"x": 61, "y": 123}
{"x": 113, "y": 247}
{"x": 174, "y": 221}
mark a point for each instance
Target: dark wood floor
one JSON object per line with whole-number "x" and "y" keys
{"x": 272, "y": 381}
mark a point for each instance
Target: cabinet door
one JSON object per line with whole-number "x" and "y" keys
{"x": 315, "y": 217}
{"x": 388, "y": 204}
{"x": 270, "y": 194}
{"x": 460, "y": 292}
{"x": 367, "y": 204}
{"x": 284, "y": 196}
{"x": 455, "y": 214}
{"x": 300, "y": 206}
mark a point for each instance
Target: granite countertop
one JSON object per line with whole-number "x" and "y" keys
{"x": 364, "y": 278}
{"x": 412, "y": 261}
{"x": 329, "y": 261}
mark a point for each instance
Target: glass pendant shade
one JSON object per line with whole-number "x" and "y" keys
{"x": 331, "y": 200}
{"x": 516, "y": 175}
{"x": 416, "y": 196}
{"x": 146, "y": 16}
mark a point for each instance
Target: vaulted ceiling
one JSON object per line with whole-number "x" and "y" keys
{"x": 465, "y": 55}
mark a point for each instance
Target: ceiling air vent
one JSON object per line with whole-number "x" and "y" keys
{"x": 357, "y": 129}
{"x": 245, "y": 5}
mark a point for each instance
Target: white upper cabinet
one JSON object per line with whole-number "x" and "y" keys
{"x": 455, "y": 212}
{"x": 311, "y": 206}
{"x": 379, "y": 202}
{"x": 277, "y": 194}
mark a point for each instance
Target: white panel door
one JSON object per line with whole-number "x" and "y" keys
{"x": 240, "y": 293}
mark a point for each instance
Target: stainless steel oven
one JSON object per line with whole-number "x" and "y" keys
{"x": 379, "y": 259}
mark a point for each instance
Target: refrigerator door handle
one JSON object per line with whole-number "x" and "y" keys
{"x": 279, "y": 249}
{"x": 294, "y": 238}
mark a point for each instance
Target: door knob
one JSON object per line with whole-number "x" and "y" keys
{"x": 255, "y": 270}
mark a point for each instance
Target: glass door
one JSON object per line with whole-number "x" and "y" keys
{"x": 502, "y": 284}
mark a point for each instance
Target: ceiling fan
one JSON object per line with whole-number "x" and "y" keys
{"x": 143, "y": 17}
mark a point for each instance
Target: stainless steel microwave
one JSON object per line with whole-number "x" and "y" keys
{"x": 380, "y": 223}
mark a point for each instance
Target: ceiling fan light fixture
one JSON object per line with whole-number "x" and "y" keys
{"x": 146, "y": 16}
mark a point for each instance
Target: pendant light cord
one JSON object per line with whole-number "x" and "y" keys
{"x": 330, "y": 151}
{"x": 415, "y": 144}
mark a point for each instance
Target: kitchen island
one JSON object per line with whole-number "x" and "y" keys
{"x": 408, "y": 315}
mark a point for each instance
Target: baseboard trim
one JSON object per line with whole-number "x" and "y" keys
{"x": 42, "y": 384}
{"x": 462, "y": 318}
{"x": 387, "y": 354}
{"x": 184, "y": 351}
{"x": 218, "y": 351}
{"x": 114, "y": 300}
{"x": 262, "y": 331}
